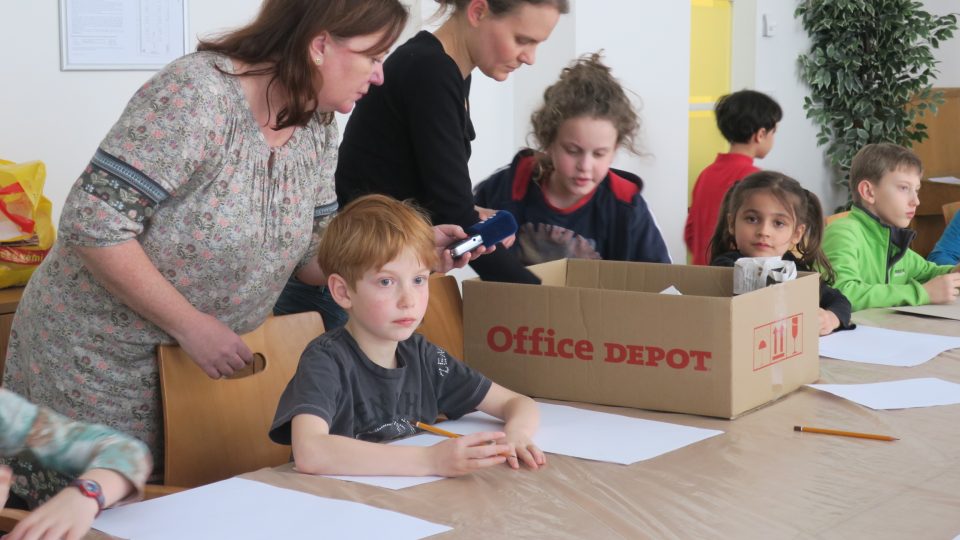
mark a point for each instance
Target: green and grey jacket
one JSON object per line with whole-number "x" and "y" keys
{"x": 873, "y": 263}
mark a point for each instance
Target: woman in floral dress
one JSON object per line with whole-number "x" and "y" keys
{"x": 211, "y": 189}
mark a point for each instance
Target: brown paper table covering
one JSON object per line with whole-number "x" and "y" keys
{"x": 760, "y": 479}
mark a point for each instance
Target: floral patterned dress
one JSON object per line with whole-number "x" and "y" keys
{"x": 226, "y": 219}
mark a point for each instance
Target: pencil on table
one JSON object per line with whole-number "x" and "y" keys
{"x": 444, "y": 433}
{"x": 845, "y": 433}
{"x": 437, "y": 431}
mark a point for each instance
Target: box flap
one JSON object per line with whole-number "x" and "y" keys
{"x": 551, "y": 273}
{"x": 649, "y": 277}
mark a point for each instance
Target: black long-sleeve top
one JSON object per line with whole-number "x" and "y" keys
{"x": 410, "y": 139}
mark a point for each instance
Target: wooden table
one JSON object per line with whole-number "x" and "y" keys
{"x": 758, "y": 480}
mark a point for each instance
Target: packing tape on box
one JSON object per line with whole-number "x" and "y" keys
{"x": 752, "y": 273}
{"x": 776, "y": 380}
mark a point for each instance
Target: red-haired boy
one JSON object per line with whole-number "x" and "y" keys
{"x": 373, "y": 379}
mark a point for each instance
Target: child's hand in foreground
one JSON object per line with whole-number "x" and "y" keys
{"x": 464, "y": 455}
{"x": 943, "y": 289}
{"x": 522, "y": 449}
{"x": 828, "y": 322}
{"x": 68, "y": 515}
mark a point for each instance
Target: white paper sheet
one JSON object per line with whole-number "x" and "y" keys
{"x": 238, "y": 509}
{"x": 571, "y": 432}
{"x": 905, "y": 394}
{"x": 944, "y": 311}
{"x": 946, "y": 180}
{"x": 871, "y": 345}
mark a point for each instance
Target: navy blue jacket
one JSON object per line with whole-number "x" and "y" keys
{"x": 614, "y": 223}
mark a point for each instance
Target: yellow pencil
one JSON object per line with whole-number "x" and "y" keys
{"x": 437, "y": 431}
{"x": 444, "y": 433}
{"x": 845, "y": 433}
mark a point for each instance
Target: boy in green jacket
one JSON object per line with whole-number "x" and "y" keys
{"x": 869, "y": 248}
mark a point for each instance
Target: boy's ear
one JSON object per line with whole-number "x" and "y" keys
{"x": 339, "y": 290}
{"x": 867, "y": 191}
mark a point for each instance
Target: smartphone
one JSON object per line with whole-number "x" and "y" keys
{"x": 461, "y": 248}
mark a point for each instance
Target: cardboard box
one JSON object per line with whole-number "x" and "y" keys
{"x": 600, "y": 332}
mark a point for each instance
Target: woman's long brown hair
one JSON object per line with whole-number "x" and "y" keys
{"x": 280, "y": 38}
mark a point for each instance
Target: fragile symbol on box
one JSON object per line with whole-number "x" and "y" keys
{"x": 777, "y": 341}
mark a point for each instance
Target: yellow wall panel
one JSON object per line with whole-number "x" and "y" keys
{"x": 710, "y": 48}
{"x": 711, "y": 26}
{"x": 709, "y": 142}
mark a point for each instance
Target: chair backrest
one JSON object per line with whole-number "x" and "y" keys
{"x": 215, "y": 429}
{"x": 833, "y": 217}
{"x": 443, "y": 322}
{"x": 950, "y": 210}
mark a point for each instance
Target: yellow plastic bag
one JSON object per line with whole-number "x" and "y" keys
{"x": 26, "y": 221}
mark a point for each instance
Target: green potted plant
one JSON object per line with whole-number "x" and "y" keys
{"x": 870, "y": 70}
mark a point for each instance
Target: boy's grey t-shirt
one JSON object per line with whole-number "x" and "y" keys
{"x": 358, "y": 398}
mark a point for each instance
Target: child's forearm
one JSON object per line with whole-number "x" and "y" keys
{"x": 521, "y": 415}
{"x": 335, "y": 454}
{"x": 115, "y": 486}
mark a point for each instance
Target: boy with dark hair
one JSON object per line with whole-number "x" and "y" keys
{"x": 373, "y": 379}
{"x": 748, "y": 120}
{"x": 868, "y": 248}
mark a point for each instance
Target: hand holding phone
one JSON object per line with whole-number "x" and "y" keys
{"x": 462, "y": 247}
{"x": 487, "y": 233}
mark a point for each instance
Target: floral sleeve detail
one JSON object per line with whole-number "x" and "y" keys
{"x": 159, "y": 144}
{"x": 124, "y": 189}
{"x": 67, "y": 446}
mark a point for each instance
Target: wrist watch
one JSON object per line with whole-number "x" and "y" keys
{"x": 91, "y": 489}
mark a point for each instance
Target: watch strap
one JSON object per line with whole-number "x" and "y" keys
{"x": 91, "y": 489}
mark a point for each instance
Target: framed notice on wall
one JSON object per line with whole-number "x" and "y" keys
{"x": 121, "y": 34}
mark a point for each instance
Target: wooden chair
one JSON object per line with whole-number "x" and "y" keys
{"x": 215, "y": 429}
{"x": 831, "y": 218}
{"x": 443, "y": 322}
{"x": 9, "y": 518}
{"x": 950, "y": 210}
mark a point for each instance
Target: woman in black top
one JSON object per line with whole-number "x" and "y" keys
{"x": 410, "y": 138}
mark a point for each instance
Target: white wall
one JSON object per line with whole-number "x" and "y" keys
{"x": 660, "y": 82}
{"x": 776, "y": 71}
{"x": 949, "y": 53}
{"x": 60, "y": 117}
{"x": 769, "y": 64}
{"x": 530, "y": 81}
{"x": 647, "y": 44}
